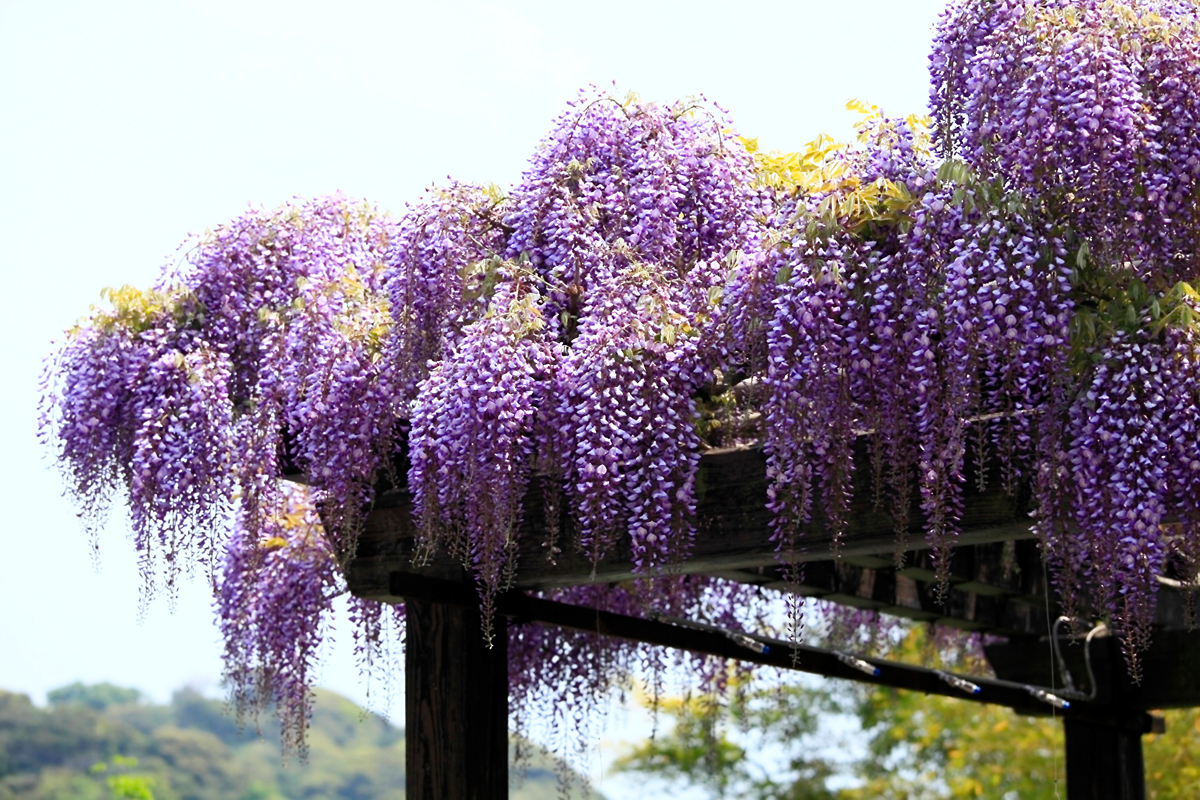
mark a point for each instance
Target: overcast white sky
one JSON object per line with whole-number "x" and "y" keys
{"x": 125, "y": 126}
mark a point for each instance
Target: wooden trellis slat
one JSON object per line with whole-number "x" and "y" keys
{"x": 732, "y": 530}
{"x": 997, "y": 587}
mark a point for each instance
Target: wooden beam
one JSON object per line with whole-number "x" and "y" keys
{"x": 1104, "y": 762}
{"x": 997, "y": 587}
{"x": 523, "y": 608}
{"x": 733, "y": 529}
{"x": 456, "y": 704}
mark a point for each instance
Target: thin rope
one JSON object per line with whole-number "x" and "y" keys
{"x": 1053, "y": 709}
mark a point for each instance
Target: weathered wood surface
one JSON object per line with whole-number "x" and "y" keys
{"x": 733, "y": 531}
{"x": 1104, "y": 762}
{"x": 456, "y": 705}
{"x": 997, "y": 587}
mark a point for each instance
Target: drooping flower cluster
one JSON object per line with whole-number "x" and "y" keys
{"x": 1118, "y": 508}
{"x": 669, "y": 185}
{"x": 1089, "y": 106}
{"x": 562, "y": 331}
{"x": 260, "y": 356}
{"x": 910, "y": 325}
{"x": 624, "y": 416}
{"x": 1088, "y": 110}
{"x": 262, "y": 351}
{"x": 433, "y": 282}
{"x": 654, "y": 277}
{"x": 473, "y": 433}
{"x": 137, "y": 411}
{"x": 279, "y": 576}
{"x": 632, "y": 213}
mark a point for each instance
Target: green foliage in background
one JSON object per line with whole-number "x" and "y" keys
{"x": 125, "y": 784}
{"x": 97, "y": 696}
{"x": 104, "y": 742}
{"x": 895, "y": 745}
{"x": 708, "y": 744}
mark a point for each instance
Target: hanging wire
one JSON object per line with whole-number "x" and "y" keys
{"x": 1069, "y": 690}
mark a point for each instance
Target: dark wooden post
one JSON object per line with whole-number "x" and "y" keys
{"x": 1104, "y": 762}
{"x": 456, "y": 705}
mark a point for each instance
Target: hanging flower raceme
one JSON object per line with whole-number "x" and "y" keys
{"x": 623, "y": 423}
{"x": 1090, "y": 107}
{"x": 433, "y": 284}
{"x": 294, "y": 300}
{"x": 905, "y": 327}
{"x": 472, "y": 434}
{"x": 279, "y": 577}
{"x": 810, "y": 415}
{"x": 338, "y": 384}
{"x": 137, "y": 403}
{"x": 673, "y": 184}
{"x": 1118, "y": 508}
{"x": 632, "y": 214}
{"x": 264, "y": 347}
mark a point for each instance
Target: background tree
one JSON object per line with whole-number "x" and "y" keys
{"x": 97, "y": 696}
{"x": 910, "y": 746}
{"x": 191, "y": 749}
{"x": 708, "y": 745}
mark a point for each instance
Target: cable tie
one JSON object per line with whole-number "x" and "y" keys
{"x": 1046, "y": 697}
{"x": 857, "y": 663}
{"x": 748, "y": 643}
{"x": 957, "y": 682}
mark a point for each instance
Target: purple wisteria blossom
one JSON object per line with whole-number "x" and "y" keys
{"x": 1018, "y": 298}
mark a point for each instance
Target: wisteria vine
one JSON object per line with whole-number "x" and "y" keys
{"x": 1006, "y": 281}
{"x": 1086, "y": 110}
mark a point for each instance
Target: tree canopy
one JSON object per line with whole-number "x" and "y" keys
{"x": 189, "y": 749}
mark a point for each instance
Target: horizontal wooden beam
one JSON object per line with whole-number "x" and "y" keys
{"x": 733, "y": 529}
{"x": 997, "y": 587}
{"x": 523, "y": 608}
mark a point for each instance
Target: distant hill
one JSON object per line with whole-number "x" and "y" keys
{"x": 102, "y": 741}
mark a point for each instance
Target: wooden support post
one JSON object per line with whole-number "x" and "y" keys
{"x": 1104, "y": 762}
{"x": 456, "y": 704}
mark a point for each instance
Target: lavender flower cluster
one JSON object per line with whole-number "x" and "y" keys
{"x": 1088, "y": 111}
{"x": 261, "y": 354}
{"x": 1089, "y": 106}
{"x": 913, "y": 331}
{"x": 278, "y": 578}
{"x": 1018, "y": 298}
{"x": 472, "y": 436}
{"x": 562, "y": 330}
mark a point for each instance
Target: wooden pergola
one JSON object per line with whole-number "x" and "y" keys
{"x": 456, "y": 688}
